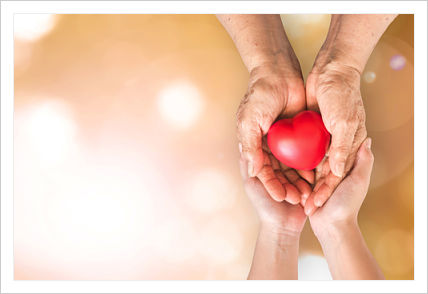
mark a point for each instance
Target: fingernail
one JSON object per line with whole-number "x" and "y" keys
{"x": 340, "y": 167}
{"x": 240, "y": 147}
{"x": 250, "y": 169}
{"x": 308, "y": 211}
{"x": 317, "y": 202}
{"x": 369, "y": 143}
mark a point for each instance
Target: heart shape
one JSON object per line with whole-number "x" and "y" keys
{"x": 299, "y": 142}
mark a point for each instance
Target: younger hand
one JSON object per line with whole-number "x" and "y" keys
{"x": 343, "y": 206}
{"x": 281, "y": 217}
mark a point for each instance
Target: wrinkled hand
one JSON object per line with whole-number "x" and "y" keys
{"x": 344, "y": 204}
{"x": 276, "y": 216}
{"x": 274, "y": 92}
{"x": 334, "y": 90}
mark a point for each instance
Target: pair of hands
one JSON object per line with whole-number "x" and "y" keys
{"x": 276, "y": 90}
{"x": 340, "y": 211}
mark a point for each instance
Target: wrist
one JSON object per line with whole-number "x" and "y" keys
{"x": 279, "y": 235}
{"x": 335, "y": 231}
{"x": 338, "y": 56}
{"x": 332, "y": 61}
{"x": 324, "y": 74}
{"x": 281, "y": 62}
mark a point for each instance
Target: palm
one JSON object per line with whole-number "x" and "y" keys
{"x": 346, "y": 200}
{"x": 277, "y": 178}
{"x": 337, "y": 205}
{"x": 282, "y": 215}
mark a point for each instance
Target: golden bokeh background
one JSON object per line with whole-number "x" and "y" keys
{"x": 126, "y": 157}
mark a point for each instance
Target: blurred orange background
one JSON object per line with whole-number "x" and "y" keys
{"x": 126, "y": 157}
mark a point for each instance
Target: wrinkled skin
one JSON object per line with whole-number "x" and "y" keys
{"x": 274, "y": 92}
{"x": 334, "y": 91}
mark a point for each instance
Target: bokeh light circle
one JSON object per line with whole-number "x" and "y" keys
{"x": 369, "y": 76}
{"x": 388, "y": 101}
{"x": 180, "y": 104}
{"x": 51, "y": 130}
{"x": 30, "y": 27}
{"x": 397, "y": 62}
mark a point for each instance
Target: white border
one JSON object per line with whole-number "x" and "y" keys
{"x": 419, "y": 8}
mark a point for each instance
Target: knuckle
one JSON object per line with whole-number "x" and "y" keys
{"x": 339, "y": 123}
{"x": 340, "y": 153}
{"x": 246, "y": 126}
{"x": 266, "y": 119}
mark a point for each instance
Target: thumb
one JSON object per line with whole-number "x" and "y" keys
{"x": 250, "y": 137}
{"x": 363, "y": 163}
{"x": 341, "y": 143}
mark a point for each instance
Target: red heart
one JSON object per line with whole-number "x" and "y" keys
{"x": 300, "y": 142}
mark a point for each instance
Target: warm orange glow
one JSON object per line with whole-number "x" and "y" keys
{"x": 126, "y": 157}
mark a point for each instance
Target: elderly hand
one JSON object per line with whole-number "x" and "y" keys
{"x": 333, "y": 87}
{"x": 334, "y": 90}
{"x": 275, "y": 90}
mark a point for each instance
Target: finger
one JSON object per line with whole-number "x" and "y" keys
{"x": 310, "y": 207}
{"x": 361, "y": 172}
{"x": 341, "y": 144}
{"x": 250, "y": 136}
{"x": 271, "y": 182}
{"x": 311, "y": 203}
{"x": 363, "y": 163}
{"x": 326, "y": 189}
{"x": 274, "y": 162}
{"x": 302, "y": 186}
{"x": 322, "y": 169}
{"x": 282, "y": 179}
{"x": 308, "y": 175}
{"x": 292, "y": 194}
{"x": 255, "y": 115}
{"x": 318, "y": 184}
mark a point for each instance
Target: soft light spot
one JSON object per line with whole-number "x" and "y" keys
{"x": 180, "y": 104}
{"x": 51, "y": 131}
{"x": 369, "y": 77}
{"x": 30, "y": 27}
{"x": 397, "y": 62}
